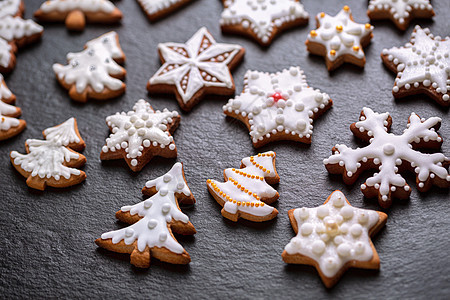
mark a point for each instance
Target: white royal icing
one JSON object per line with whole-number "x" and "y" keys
{"x": 251, "y": 178}
{"x": 279, "y": 102}
{"x": 399, "y": 9}
{"x": 152, "y": 7}
{"x": 389, "y": 151}
{"x": 5, "y": 109}
{"x": 5, "y": 93}
{"x": 138, "y": 129}
{"x": 340, "y": 35}
{"x": 425, "y": 59}
{"x": 262, "y": 16}
{"x": 333, "y": 234}
{"x": 5, "y": 53}
{"x": 14, "y": 28}
{"x": 7, "y": 123}
{"x": 156, "y": 213}
{"x": 46, "y": 157}
{"x": 94, "y": 66}
{"x": 200, "y": 62}
{"x": 9, "y": 7}
{"x": 103, "y": 6}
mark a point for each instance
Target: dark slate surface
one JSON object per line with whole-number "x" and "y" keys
{"x": 48, "y": 249}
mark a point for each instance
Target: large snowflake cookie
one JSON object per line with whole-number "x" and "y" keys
{"x": 391, "y": 154}
{"x": 156, "y": 9}
{"x": 334, "y": 237}
{"x": 54, "y": 161}
{"x": 75, "y": 13}
{"x": 246, "y": 191}
{"x": 422, "y": 66}
{"x": 278, "y": 106}
{"x": 261, "y": 19}
{"x": 401, "y": 12}
{"x": 339, "y": 39}
{"x": 140, "y": 134}
{"x": 9, "y": 124}
{"x": 15, "y": 32}
{"x": 198, "y": 67}
{"x": 153, "y": 222}
{"x": 94, "y": 73}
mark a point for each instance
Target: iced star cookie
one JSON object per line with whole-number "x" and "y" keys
{"x": 391, "y": 154}
{"x": 339, "y": 39}
{"x": 156, "y": 9}
{"x": 401, "y": 12}
{"x": 75, "y": 13}
{"x": 140, "y": 134}
{"x": 246, "y": 191}
{"x": 334, "y": 237}
{"x": 261, "y": 20}
{"x": 94, "y": 73}
{"x": 153, "y": 221}
{"x": 9, "y": 124}
{"x": 199, "y": 67}
{"x": 422, "y": 66}
{"x": 278, "y": 106}
{"x": 54, "y": 161}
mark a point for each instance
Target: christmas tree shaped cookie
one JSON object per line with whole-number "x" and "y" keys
{"x": 156, "y": 9}
{"x": 75, "y": 13}
{"x": 153, "y": 222}
{"x": 94, "y": 73}
{"x": 246, "y": 191}
{"x": 54, "y": 161}
{"x": 9, "y": 125}
{"x": 391, "y": 154}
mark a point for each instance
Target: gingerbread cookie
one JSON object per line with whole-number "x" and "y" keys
{"x": 140, "y": 134}
{"x": 401, "y": 12}
{"x": 75, "y": 13}
{"x": 278, "y": 106}
{"x": 422, "y": 66}
{"x": 94, "y": 73}
{"x": 391, "y": 154}
{"x": 200, "y": 66}
{"x": 157, "y": 9}
{"x": 153, "y": 222}
{"x": 9, "y": 124}
{"x": 261, "y": 20}
{"x": 334, "y": 237}
{"x": 246, "y": 191}
{"x": 339, "y": 39}
{"x": 54, "y": 161}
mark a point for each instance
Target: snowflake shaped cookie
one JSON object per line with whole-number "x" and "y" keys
{"x": 156, "y": 9}
{"x": 140, "y": 134}
{"x": 422, "y": 66}
{"x": 262, "y": 19}
{"x": 391, "y": 154}
{"x": 198, "y": 67}
{"x": 339, "y": 39}
{"x": 278, "y": 106}
{"x": 401, "y": 12}
{"x": 334, "y": 237}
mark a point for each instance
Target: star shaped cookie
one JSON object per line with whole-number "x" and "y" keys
{"x": 278, "y": 106}
{"x": 200, "y": 66}
{"x": 334, "y": 237}
{"x": 261, "y": 19}
{"x": 339, "y": 39}
{"x": 422, "y": 66}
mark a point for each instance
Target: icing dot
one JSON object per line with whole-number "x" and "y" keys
{"x": 303, "y": 213}
{"x": 343, "y": 250}
{"x": 129, "y": 232}
{"x": 165, "y": 208}
{"x": 322, "y": 211}
{"x": 331, "y": 227}
{"x": 163, "y": 237}
{"x": 388, "y": 149}
{"x": 318, "y": 247}
{"x": 359, "y": 247}
{"x": 347, "y": 212}
{"x": 148, "y": 203}
{"x": 152, "y": 223}
{"x": 167, "y": 178}
{"x": 338, "y": 201}
{"x": 356, "y": 230}
{"x": 306, "y": 229}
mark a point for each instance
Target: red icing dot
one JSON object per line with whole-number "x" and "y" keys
{"x": 277, "y": 96}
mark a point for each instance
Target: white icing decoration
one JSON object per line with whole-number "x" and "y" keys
{"x": 152, "y": 7}
{"x": 156, "y": 212}
{"x": 9, "y": 7}
{"x": 7, "y": 123}
{"x": 94, "y": 6}
{"x": 341, "y": 34}
{"x": 5, "y": 53}
{"x": 389, "y": 151}
{"x": 262, "y": 16}
{"x": 399, "y": 9}
{"x": 94, "y": 66}
{"x": 292, "y": 113}
{"x": 5, "y": 93}
{"x": 328, "y": 240}
{"x": 426, "y": 60}
{"x": 200, "y": 62}
{"x": 257, "y": 186}
{"x": 6, "y": 110}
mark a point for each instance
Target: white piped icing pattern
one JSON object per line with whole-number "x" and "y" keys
{"x": 424, "y": 60}
{"x": 5, "y": 53}
{"x": 6, "y": 110}
{"x": 156, "y": 212}
{"x": 200, "y": 62}
{"x": 138, "y": 129}
{"x": 94, "y": 66}
{"x": 279, "y": 102}
{"x": 389, "y": 151}
{"x": 152, "y": 7}
{"x": 92, "y": 6}
{"x": 399, "y": 9}
{"x": 333, "y": 234}
{"x": 9, "y": 7}
{"x": 262, "y": 16}
{"x": 5, "y": 93}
